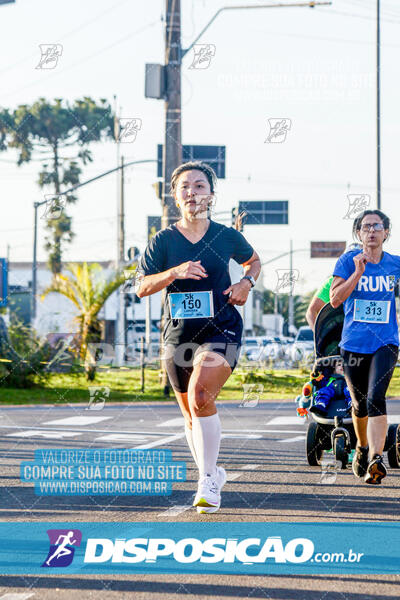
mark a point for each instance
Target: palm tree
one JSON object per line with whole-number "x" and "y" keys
{"x": 88, "y": 291}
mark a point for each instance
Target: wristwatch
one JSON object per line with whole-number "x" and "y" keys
{"x": 251, "y": 279}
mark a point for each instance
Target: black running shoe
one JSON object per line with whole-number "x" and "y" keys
{"x": 360, "y": 461}
{"x": 376, "y": 470}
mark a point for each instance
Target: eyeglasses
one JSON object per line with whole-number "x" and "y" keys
{"x": 375, "y": 227}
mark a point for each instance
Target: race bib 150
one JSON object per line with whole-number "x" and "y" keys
{"x": 191, "y": 305}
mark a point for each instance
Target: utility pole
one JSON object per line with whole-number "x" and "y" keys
{"x": 291, "y": 320}
{"x": 120, "y": 322}
{"x": 34, "y": 262}
{"x": 172, "y": 156}
{"x": 172, "y": 151}
{"x": 378, "y": 104}
{"x": 148, "y": 327}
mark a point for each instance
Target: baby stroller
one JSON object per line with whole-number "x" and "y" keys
{"x": 334, "y": 430}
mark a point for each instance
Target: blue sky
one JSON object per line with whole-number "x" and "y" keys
{"x": 315, "y": 67}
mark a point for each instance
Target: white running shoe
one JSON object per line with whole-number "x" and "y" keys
{"x": 209, "y": 491}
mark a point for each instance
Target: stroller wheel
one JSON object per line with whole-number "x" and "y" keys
{"x": 339, "y": 449}
{"x": 313, "y": 445}
{"x": 393, "y": 446}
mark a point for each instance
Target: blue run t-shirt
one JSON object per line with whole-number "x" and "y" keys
{"x": 376, "y": 284}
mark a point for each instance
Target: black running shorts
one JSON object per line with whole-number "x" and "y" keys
{"x": 179, "y": 359}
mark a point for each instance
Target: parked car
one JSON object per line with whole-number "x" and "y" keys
{"x": 263, "y": 348}
{"x": 303, "y": 343}
{"x": 250, "y": 346}
{"x": 138, "y": 330}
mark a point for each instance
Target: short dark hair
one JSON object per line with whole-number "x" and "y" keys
{"x": 199, "y": 165}
{"x": 358, "y": 220}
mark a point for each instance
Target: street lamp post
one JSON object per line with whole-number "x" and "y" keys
{"x": 378, "y": 104}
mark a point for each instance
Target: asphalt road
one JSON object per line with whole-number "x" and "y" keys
{"x": 268, "y": 480}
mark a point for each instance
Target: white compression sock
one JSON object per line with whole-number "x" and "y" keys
{"x": 189, "y": 438}
{"x": 206, "y": 434}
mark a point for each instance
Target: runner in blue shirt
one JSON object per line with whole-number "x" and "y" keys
{"x": 364, "y": 280}
{"x": 203, "y": 329}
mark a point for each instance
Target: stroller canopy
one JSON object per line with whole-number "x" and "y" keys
{"x": 328, "y": 330}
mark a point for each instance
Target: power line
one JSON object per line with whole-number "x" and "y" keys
{"x": 64, "y": 36}
{"x": 321, "y": 38}
{"x": 358, "y": 16}
{"x": 56, "y": 72}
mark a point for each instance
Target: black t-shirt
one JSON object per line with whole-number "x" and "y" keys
{"x": 169, "y": 248}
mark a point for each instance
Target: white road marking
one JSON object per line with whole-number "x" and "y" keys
{"x": 17, "y": 596}
{"x": 284, "y": 421}
{"x": 77, "y": 421}
{"x": 160, "y": 442}
{"x": 51, "y": 435}
{"x": 144, "y": 433}
{"x": 121, "y": 437}
{"x": 175, "y": 510}
{"x": 393, "y": 418}
{"x": 232, "y": 475}
{"x": 250, "y": 467}
{"x": 177, "y": 422}
{"x": 283, "y": 430}
{"x": 297, "y": 438}
{"x": 242, "y": 436}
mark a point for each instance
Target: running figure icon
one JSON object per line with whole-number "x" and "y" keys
{"x": 62, "y": 549}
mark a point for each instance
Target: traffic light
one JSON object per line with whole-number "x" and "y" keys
{"x": 234, "y": 215}
{"x": 158, "y": 189}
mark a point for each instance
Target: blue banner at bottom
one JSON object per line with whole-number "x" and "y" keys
{"x": 237, "y": 548}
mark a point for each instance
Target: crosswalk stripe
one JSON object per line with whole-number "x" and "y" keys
{"x": 242, "y": 436}
{"x": 284, "y": 421}
{"x": 121, "y": 437}
{"x": 77, "y": 421}
{"x": 173, "y": 511}
{"x": 176, "y": 422}
{"x": 160, "y": 442}
{"x": 17, "y": 596}
{"x": 51, "y": 435}
{"x": 232, "y": 475}
{"x": 297, "y": 438}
